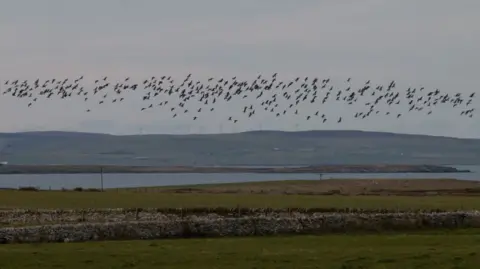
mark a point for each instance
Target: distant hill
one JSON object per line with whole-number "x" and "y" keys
{"x": 247, "y": 148}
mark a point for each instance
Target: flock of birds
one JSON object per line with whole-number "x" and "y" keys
{"x": 269, "y": 93}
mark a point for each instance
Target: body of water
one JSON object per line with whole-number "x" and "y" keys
{"x": 70, "y": 181}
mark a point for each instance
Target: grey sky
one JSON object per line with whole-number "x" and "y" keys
{"x": 417, "y": 43}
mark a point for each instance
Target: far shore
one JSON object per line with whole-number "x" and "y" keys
{"x": 318, "y": 169}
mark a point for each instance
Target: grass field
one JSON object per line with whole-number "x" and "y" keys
{"x": 265, "y": 194}
{"x": 56, "y": 199}
{"x": 404, "y": 187}
{"x": 444, "y": 249}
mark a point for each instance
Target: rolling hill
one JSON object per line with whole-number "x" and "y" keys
{"x": 261, "y": 148}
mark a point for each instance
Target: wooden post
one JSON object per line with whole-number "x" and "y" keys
{"x": 101, "y": 177}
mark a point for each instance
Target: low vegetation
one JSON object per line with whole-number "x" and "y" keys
{"x": 444, "y": 194}
{"x": 399, "y": 187}
{"x": 65, "y": 200}
{"x": 370, "y": 187}
{"x": 439, "y": 249}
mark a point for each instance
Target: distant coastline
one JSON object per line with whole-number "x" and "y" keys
{"x": 319, "y": 169}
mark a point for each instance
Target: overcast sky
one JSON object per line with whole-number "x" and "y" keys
{"x": 429, "y": 43}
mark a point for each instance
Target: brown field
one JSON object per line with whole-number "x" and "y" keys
{"x": 447, "y": 194}
{"x": 351, "y": 187}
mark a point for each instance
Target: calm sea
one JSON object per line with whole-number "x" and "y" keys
{"x": 69, "y": 181}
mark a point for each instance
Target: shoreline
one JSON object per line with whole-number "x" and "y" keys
{"x": 318, "y": 169}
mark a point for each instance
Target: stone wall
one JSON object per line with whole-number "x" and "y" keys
{"x": 214, "y": 225}
{"x": 47, "y": 216}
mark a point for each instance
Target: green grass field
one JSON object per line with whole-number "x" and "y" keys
{"x": 58, "y": 199}
{"x": 457, "y": 249}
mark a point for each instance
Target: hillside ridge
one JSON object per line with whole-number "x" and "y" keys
{"x": 246, "y": 148}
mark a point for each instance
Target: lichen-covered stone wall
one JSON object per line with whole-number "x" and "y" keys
{"x": 160, "y": 225}
{"x": 48, "y": 216}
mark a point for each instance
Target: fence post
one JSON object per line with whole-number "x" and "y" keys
{"x": 101, "y": 177}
